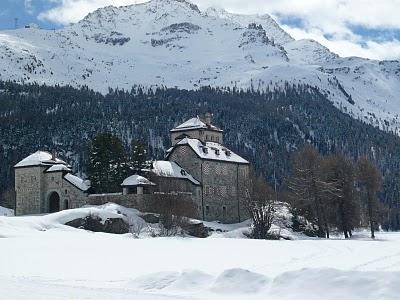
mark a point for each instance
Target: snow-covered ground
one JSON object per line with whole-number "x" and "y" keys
{"x": 42, "y": 259}
{"x": 6, "y": 211}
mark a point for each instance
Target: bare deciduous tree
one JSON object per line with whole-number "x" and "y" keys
{"x": 260, "y": 205}
{"x": 344, "y": 208}
{"x": 310, "y": 190}
{"x": 369, "y": 181}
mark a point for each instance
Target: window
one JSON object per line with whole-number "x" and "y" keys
{"x": 66, "y": 191}
{"x": 207, "y": 137}
{"x": 224, "y": 212}
{"x": 66, "y": 206}
{"x": 207, "y": 210}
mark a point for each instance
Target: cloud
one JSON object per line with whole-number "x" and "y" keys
{"x": 330, "y": 22}
{"x": 29, "y": 6}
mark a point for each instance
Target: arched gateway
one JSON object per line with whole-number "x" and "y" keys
{"x": 54, "y": 202}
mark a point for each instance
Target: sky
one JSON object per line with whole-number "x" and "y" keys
{"x": 365, "y": 28}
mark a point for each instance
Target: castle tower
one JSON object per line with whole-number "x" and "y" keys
{"x": 197, "y": 146}
{"x": 44, "y": 183}
{"x": 197, "y": 128}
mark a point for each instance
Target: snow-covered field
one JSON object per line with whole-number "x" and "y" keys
{"x": 42, "y": 259}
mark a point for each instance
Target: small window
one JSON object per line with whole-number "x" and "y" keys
{"x": 224, "y": 212}
{"x": 205, "y": 150}
{"x": 216, "y": 152}
{"x": 66, "y": 191}
{"x": 183, "y": 172}
{"x": 207, "y": 137}
{"x": 207, "y": 210}
{"x": 66, "y": 206}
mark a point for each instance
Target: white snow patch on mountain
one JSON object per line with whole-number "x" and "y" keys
{"x": 172, "y": 43}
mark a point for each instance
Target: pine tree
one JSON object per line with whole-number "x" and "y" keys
{"x": 107, "y": 163}
{"x": 138, "y": 155}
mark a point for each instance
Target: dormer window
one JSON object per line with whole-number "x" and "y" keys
{"x": 228, "y": 153}
{"x": 183, "y": 172}
{"x": 216, "y": 152}
{"x": 205, "y": 150}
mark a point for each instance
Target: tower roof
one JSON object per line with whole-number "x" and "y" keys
{"x": 212, "y": 151}
{"x": 39, "y": 158}
{"x": 136, "y": 180}
{"x": 195, "y": 123}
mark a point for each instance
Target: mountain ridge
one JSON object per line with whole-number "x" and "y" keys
{"x": 173, "y": 43}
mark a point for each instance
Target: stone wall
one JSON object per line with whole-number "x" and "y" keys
{"x": 224, "y": 185}
{"x": 143, "y": 203}
{"x": 201, "y": 134}
{"x": 27, "y": 187}
{"x": 70, "y": 195}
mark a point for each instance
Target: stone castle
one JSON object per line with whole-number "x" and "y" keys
{"x": 198, "y": 167}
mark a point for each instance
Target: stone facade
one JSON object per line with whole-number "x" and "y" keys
{"x": 204, "y": 135}
{"x": 224, "y": 177}
{"x": 224, "y": 185}
{"x": 39, "y": 191}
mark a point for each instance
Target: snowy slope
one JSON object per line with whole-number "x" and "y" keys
{"x": 6, "y": 211}
{"x": 43, "y": 259}
{"x": 173, "y": 43}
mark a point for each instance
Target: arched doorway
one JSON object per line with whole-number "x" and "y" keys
{"x": 54, "y": 202}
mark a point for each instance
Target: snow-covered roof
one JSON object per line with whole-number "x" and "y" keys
{"x": 194, "y": 123}
{"x": 136, "y": 180}
{"x": 58, "y": 168}
{"x": 81, "y": 184}
{"x": 213, "y": 151}
{"x": 165, "y": 168}
{"x": 39, "y": 158}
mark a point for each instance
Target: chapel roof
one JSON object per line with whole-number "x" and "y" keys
{"x": 39, "y": 158}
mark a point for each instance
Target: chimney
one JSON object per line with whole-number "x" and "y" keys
{"x": 208, "y": 119}
{"x": 53, "y": 155}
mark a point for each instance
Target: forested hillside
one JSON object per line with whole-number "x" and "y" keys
{"x": 264, "y": 128}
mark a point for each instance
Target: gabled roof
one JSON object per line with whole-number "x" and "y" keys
{"x": 83, "y": 185}
{"x": 212, "y": 151}
{"x": 136, "y": 180}
{"x": 164, "y": 168}
{"x": 195, "y": 123}
{"x": 58, "y": 168}
{"x": 39, "y": 158}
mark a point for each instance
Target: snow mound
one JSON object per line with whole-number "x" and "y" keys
{"x": 239, "y": 281}
{"x": 188, "y": 280}
{"x": 21, "y": 226}
{"x": 335, "y": 284}
{"x": 7, "y": 212}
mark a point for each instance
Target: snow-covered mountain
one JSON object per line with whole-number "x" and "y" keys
{"x": 173, "y": 43}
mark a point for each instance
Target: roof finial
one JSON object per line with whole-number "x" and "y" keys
{"x": 208, "y": 118}
{"x": 53, "y": 155}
